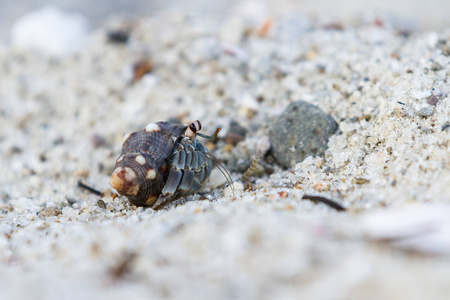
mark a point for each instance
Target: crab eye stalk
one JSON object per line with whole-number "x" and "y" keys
{"x": 193, "y": 128}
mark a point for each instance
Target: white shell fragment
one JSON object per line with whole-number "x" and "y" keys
{"x": 152, "y": 127}
{"x": 238, "y": 189}
{"x": 51, "y": 31}
{"x": 419, "y": 228}
{"x": 216, "y": 179}
{"x": 421, "y": 94}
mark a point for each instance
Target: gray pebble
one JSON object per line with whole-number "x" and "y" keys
{"x": 302, "y": 130}
{"x": 236, "y": 133}
{"x": 425, "y": 112}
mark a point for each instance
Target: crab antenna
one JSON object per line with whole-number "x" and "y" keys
{"x": 222, "y": 170}
{"x": 216, "y": 134}
{"x": 211, "y": 138}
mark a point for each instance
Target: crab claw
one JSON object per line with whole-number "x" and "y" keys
{"x": 125, "y": 181}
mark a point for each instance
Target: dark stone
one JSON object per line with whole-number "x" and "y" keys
{"x": 302, "y": 130}
{"x": 433, "y": 100}
{"x": 118, "y": 37}
{"x": 236, "y": 133}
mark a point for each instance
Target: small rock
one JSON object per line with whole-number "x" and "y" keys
{"x": 421, "y": 94}
{"x": 118, "y": 36}
{"x": 265, "y": 28}
{"x": 396, "y": 55}
{"x": 101, "y": 204}
{"x": 425, "y": 112}
{"x": 97, "y": 140}
{"x": 50, "y": 212}
{"x": 360, "y": 180}
{"x": 83, "y": 173}
{"x": 232, "y": 31}
{"x": 302, "y": 130}
{"x": 142, "y": 67}
{"x": 334, "y": 26}
{"x": 238, "y": 189}
{"x": 444, "y": 46}
{"x": 433, "y": 100}
{"x": 236, "y": 133}
{"x": 435, "y": 66}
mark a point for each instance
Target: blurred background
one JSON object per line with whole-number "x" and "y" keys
{"x": 422, "y": 14}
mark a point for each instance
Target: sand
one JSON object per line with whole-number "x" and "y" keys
{"x": 62, "y": 119}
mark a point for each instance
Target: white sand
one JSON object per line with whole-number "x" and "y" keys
{"x": 263, "y": 244}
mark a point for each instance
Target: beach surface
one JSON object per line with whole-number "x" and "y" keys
{"x": 65, "y": 108}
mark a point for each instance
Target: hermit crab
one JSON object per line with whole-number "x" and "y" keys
{"x": 162, "y": 163}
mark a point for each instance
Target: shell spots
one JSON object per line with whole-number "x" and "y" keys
{"x": 133, "y": 190}
{"x": 125, "y": 137}
{"x": 124, "y": 181}
{"x": 152, "y": 127}
{"x": 130, "y": 175}
{"x": 151, "y": 174}
{"x": 116, "y": 180}
{"x": 140, "y": 159}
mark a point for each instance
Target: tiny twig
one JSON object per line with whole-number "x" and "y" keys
{"x": 89, "y": 189}
{"x": 330, "y": 203}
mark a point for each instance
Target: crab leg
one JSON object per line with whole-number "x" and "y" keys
{"x": 172, "y": 182}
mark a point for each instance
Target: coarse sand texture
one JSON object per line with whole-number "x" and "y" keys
{"x": 380, "y": 92}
